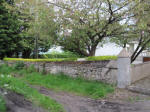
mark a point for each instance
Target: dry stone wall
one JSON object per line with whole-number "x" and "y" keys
{"x": 105, "y": 71}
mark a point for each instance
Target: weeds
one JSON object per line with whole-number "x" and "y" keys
{"x": 62, "y": 82}
{"x": 19, "y": 86}
{"x": 2, "y": 104}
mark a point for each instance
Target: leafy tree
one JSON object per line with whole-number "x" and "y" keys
{"x": 142, "y": 13}
{"x": 138, "y": 29}
{"x": 89, "y": 22}
{"x": 12, "y": 29}
{"x": 43, "y": 29}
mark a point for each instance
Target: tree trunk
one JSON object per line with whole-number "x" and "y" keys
{"x": 2, "y": 56}
{"x": 92, "y": 51}
{"x": 137, "y": 51}
{"x": 9, "y": 54}
{"x": 17, "y": 54}
{"x": 26, "y": 53}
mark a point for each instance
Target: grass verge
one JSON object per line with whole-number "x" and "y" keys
{"x": 2, "y": 104}
{"x": 19, "y": 86}
{"x": 61, "y": 82}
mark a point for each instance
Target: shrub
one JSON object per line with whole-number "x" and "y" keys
{"x": 98, "y": 58}
{"x": 19, "y": 65}
{"x": 2, "y": 104}
{"x": 55, "y": 54}
{"x": 40, "y": 60}
{"x": 31, "y": 69}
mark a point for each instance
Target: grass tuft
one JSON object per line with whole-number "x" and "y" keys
{"x": 99, "y": 58}
{"x": 2, "y": 104}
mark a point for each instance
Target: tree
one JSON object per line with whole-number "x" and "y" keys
{"x": 42, "y": 29}
{"x": 142, "y": 24}
{"x": 11, "y": 29}
{"x": 89, "y": 22}
{"x": 138, "y": 29}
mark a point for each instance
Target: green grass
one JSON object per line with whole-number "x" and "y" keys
{"x": 79, "y": 86}
{"x": 55, "y": 54}
{"x": 61, "y": 82}
{"x": 2, "y": 104}
{"x": 41, "y": 60}
{"x": 19, "y": 86}
{"x": 91, "y": 58}
{"x": 99, "y": 58}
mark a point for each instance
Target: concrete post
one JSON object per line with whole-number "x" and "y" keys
{"x": 124, "y": 69}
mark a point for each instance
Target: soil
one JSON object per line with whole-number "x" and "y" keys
{"x": 17, "y": 103}
{"x": 117, "y": 102}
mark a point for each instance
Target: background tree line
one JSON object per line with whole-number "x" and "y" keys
{"x": 22, "y": 22}
{"x": 79, "y": 26}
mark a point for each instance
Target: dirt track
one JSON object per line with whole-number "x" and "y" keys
{"x": 73, "y": 103}
{"x": 17, "y": 103}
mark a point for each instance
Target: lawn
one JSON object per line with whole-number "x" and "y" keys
{"x": 60, "y": 82}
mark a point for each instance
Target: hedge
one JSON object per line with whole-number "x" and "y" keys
{"x": 92, "y": 58}
{"x": 40, "y": 60}
{"x": 55, "y": 55}
{"x": 99, "y": 58}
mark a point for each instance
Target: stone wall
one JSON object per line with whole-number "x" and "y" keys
{"x": 105, "y": 71}
{"x": 140, "y": 71}
{"x": 1, "y": 62}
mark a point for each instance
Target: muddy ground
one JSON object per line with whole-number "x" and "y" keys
{"x": 17, "y": 103}
{"x": 120, "y": 101}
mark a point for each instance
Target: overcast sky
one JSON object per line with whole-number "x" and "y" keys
{"x": 107, "y": 49}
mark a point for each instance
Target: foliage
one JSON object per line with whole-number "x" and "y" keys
{"x": 19, "y": 86}
{"x": 91, "y": 58}
{"x": 142, "y": 29}
{"x": 98, "y": 58}
{"x": 23, "y": 23}
{"x": 62, "y": 82}
{"x": 19, "y": 65}
{"x": 2, "y": 104}
{"x": 86, "y": 23}
{"x": 12, "y": 30}
{"x": 137, "y": 28}
{"x": 43, "y": 29}
{"x": 41, "y": 60}
{"x": 55, "y": 54}
{"x": 31, "y": 69}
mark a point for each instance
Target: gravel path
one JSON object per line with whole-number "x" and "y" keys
{"x": 73, "y": 103}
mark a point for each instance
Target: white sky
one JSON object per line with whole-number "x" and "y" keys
{"x": 107, "y": 49}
